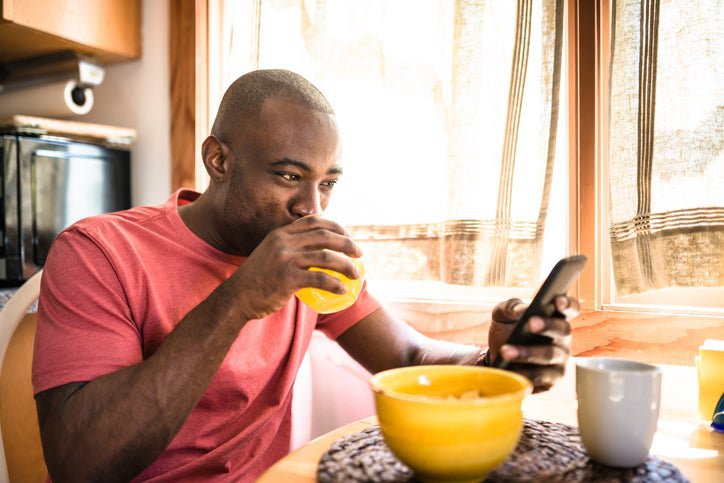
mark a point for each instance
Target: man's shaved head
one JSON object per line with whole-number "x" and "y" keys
{"x": 244, "y": 98}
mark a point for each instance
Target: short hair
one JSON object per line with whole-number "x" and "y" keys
{"x": 244, "y": 98}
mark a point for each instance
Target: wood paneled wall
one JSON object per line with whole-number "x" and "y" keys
{"x": 182, "y": 18}
{"x": 654, "y": 338}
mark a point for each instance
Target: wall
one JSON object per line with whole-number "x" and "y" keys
{"x": 657, "y": 338}
{"x": 136, "y": 94}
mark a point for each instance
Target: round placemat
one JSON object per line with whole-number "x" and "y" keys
{"x": 547, "y": 452}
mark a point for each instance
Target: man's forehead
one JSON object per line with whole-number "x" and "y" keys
{"x": 335, "y": 169}
{"x": 279, "y": 117}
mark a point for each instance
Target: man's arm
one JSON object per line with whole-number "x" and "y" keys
{"x": 113, "y": 427}
{"x": 382, "y": 341}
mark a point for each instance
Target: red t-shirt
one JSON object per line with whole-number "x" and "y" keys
{"x": 116, "y": 285}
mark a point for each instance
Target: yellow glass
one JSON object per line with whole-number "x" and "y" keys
{"x": 709, "y": 364}
{"x": 324, "y": 302}
{"x": 445, "y": 438}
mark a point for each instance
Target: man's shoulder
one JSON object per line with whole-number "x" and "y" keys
{"x": 143, "y": 230}
{"x": 136, "y": 216}
{"x": 130, "y": 223}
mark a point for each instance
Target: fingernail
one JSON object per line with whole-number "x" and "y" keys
{"x": 561, "y": 304}
{"x": 536, "y": 324}
{"x": 509, "y": 352}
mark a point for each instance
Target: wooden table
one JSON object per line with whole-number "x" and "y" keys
{"x": 681, "y": 438}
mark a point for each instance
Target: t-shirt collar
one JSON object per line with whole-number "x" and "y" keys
{"x": 184, "y": 196}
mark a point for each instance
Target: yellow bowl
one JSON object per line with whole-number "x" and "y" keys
{"x": 324, "y": 302}
{"x": 429, "y": 424}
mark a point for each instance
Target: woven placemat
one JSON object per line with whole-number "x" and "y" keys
{"x": 547, "y": 452}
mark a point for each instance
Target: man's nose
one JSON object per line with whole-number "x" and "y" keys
{"x": 308, "y": 203}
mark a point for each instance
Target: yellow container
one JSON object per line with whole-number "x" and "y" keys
{"x": 710, "y": 372}
{"x": 431, "y": 422}
{"x": 324, "y": 302}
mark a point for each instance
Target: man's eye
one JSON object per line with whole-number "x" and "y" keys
{"x": 329, "y": 184}
{"x": 289, "y": 176}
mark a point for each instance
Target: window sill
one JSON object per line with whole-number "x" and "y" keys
{"x": 651, "y": 336}
{"x": 679, "y": 300}
{"x": 439, "y": 293}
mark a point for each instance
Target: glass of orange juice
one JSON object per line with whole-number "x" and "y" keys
{"x": 324, "y": 302}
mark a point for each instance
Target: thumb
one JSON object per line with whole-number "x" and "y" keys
{"x": 509, "y": 311}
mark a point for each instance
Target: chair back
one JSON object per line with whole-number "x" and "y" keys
{"x": 21, "y": 454}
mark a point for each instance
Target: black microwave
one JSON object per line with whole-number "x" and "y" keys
{"x": 47, "y": 184}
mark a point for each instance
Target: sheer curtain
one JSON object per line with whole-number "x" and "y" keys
{"x": 448, "y": 112}
{"x": 666, "y": 145}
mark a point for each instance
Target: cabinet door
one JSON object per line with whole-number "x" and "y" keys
{"x": 108, "y": 29}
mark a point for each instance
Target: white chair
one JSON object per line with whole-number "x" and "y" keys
{"x": 21, "y": 454}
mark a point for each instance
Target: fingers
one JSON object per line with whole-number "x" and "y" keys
{"x": 509, "y": 311}
{"x": 313, "y": 222}
{"x": 323, "y": 244}
{"x": 330, "y": 260}
{"x": 542, "y": 364}
{"x": 567, "y": 306}
{"x": 543, "y": 361}
{"x": 542, "y": 377}
{"x": 557, "y": 329}
{"x": 317, "y": 279}
{"x": 282, "y": 264}
{"x": 539, "y": 354}
{"x": 314, "y": 233}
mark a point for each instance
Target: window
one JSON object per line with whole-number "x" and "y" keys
{"x": 627, "y": 199}
{"x": 663, "y": 155}
{"x": 454, "y": 170}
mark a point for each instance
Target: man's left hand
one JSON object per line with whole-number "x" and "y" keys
{"x": 542, "y": 364}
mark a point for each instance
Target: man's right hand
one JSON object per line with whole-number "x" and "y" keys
{"x": 279, "y": 266}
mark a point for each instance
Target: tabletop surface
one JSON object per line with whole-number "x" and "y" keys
{"x": 681, "y": 438}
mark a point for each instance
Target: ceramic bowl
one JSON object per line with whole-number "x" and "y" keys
{"x": 450, "y": 422}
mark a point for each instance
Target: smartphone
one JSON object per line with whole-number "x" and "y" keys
{"x": 557, "y": 282}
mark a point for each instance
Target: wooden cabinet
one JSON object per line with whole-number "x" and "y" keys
{"x": 109, "y": 30}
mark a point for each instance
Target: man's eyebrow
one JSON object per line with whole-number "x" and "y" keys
{"x": 303, "y": 166}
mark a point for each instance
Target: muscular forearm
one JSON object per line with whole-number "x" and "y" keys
{"x": 432, "y": 351}
{"x": 382, "y": 341}
{"x": 113, "y": 427}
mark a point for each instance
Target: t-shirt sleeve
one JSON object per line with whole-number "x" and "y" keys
{"x": 335, "y": 324}
{"x": 85, "y": 329}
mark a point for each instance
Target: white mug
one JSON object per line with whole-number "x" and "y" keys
{"x": 618, "y": 408}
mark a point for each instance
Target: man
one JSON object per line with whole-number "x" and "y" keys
{"x": 169, "y": 337}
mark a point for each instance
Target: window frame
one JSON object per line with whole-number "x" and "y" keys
{"x": 587, "y": 55}
{"x": 590, "y": 25}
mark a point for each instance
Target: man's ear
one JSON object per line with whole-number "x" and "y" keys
{"x": 216, "y": 158}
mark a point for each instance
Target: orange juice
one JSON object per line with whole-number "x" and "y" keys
{"x": 324, "y": 302}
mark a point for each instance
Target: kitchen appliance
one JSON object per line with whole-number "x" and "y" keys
{"x": 48, "y": 182}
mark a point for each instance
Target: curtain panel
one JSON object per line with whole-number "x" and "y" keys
{"x": 448, "y": 111}
{"x": 500, "y": 118}
{"x": 666, "y": 143}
